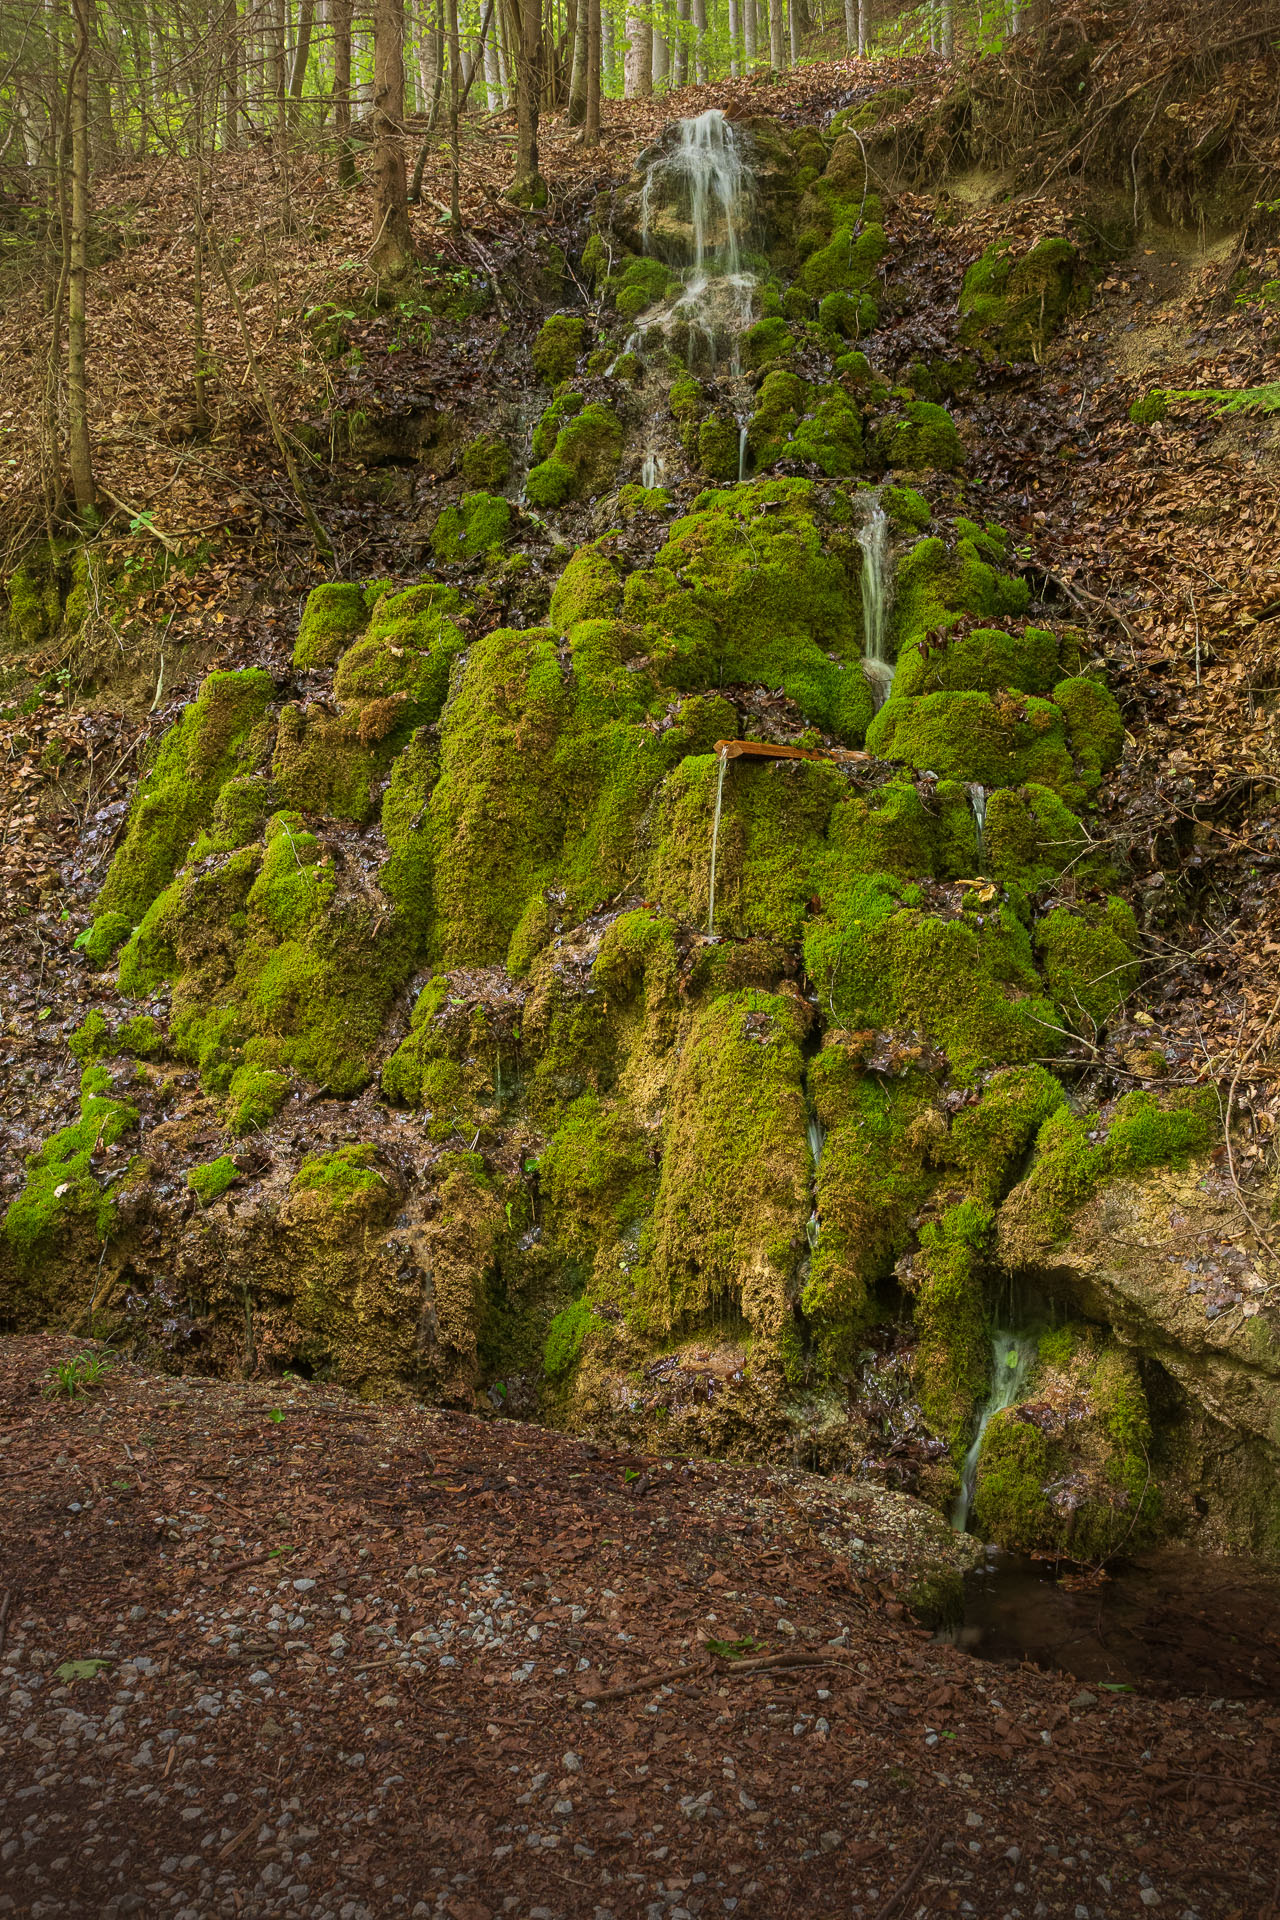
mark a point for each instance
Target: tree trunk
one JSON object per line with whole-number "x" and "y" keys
{"x": 680, "y": 45}
{"x": 342, "y": 92}
{"x": 1015, "y": 17}
{"x": 276, "y": 75}
{"x": 591, "y": 134}
{"x": 748, "y": 9}
{"x": 528, "y": 188}
{"x": 700, "y": 42}
{"x": 301, "y": 54}
{"x": 392, "y": 248}
{"x": 798, "y": 22}
{"x": 638, "y": 84}
{"x": 735, "y": 41}
{"x": 777, "y": 51}
{"x": 493, "y": 68}
{"x": 660, "y": 51}
{"x": 231, "y": 91}
{"x": 578, "y": 77}
{"x": 947, "y": 29}
{"x": 455, "y": 182}
{"x": 78, "y": 449}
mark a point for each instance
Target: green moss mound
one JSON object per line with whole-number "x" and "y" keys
{"x": 332, "y": 618}
{"x": 922, "y": 438}
{"x": 62, "y": 1185}
{"x": 583, "y": 461}
{"x": 1012, "y": 304}
{"x": 487, "y": 462}
{"x": 211, "y": 1180}
{"x": 217, "y": 738}
{"x": 558, "y": 348}
{"x": 479, "y": 524}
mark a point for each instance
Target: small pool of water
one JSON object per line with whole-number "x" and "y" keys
{"x": 1173, "y": 1622}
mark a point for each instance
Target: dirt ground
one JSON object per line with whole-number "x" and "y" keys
{"x": 266, "y": 1650}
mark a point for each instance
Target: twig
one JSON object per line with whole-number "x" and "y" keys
{"x": 646, "y": 1685}
{"x": 895, "y": 1900}
{"x": 5, "y": 1605}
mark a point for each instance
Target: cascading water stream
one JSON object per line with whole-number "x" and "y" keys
{"x": 705, "y": 172}
{"x": 877, "y": 598}
{"x": 817, "y": 1140}
{"x": 715, "y": 843}
{"x": 978, "y": 804}
{"x": 652, "y": 469}
{"x": 1011, "y": 1358}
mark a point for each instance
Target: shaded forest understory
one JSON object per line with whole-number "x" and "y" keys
{"x": 732, "y": 898}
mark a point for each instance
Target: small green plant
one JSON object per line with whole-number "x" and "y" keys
{"x": 69, "y": 1379}
{"x": 276, "y": 1416}
{"x": 733, "y": 1649}
{"x": 79, "y": 1670}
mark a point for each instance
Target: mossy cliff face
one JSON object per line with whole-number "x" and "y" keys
{"x": 497, "y": 1036}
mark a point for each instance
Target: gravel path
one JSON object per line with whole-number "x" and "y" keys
{"x": 268, "y": 1651}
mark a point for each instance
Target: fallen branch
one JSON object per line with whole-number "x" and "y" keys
{"x": 895, "y": 1900}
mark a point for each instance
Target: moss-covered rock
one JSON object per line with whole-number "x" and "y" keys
{"x": 846, "y": 264}
{"x": 487, "y": 462}
{"x": 582, "y": 462}
{"x": 558, "y": 348}
{"x": 1012, "y": 304}
{"x": 218, "y": 737}
{"x": 922, "y": 438}
{"x": 210, "y": 1180}
{"x": 479, "y": 524}
{"x": 63, "y": 1187}
{"x": 332, "y": 618}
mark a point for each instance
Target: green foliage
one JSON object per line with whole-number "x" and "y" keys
{"x": 211, "y": 1180}
{"x": 70, "y": 1380}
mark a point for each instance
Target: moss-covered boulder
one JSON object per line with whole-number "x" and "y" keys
{"x": 479, "y": 524}
{"x": 582, "y": 462}
{"x": 1012, "y": 303}
{"x": 558, "y": 348}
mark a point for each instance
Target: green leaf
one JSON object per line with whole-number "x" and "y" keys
{"x": 79, "y": 1669}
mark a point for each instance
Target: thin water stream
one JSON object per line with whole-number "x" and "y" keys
{"x": 1011, "y": 1358}
{"x": 877, "y": 597}
{"x": 715, "y": 843}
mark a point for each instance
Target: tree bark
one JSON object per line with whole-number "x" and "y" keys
{"x": 591, "y": 134}
{"x": 947, "y": 29}
{"x": 735, "y": 40}
{"x": 748, "y": 10}
{"x": 700, "y": 42}
{"x": 638, "y": 84}
{"x": 301, "y": 54}
{"x": 276, "y": 76}
{"x": 342, "y": 92}
{"x": 680, "y": 44}
{"x": 661, "y": 53}
{"x": 798, "y": 22}
{"x": 455, "y": 182}
{"x": 79, "y": 452}
{"x": 578, "y": 77}
{"x": 528, "y": 188}
{"x": 777, "y": 49}
{"x": 392, "y": 248}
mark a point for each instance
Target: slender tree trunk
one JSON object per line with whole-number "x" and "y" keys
{"x": 455, "y": 183}
{"x": 493, "y": 67}
{"x": 528, "y": 187}
{"x": 658, "y": 50}
{"x": 78, "y": 449}
{"x": 735, "y": 40}
{"x": 1015, "y": 17}
{"x": 797, "y": 22}
{"x": 700, "y": 42}
{"x": 777, "y": 52}
{"x": 342, "y": 92}
{"x": 638, "y": 84}
{"x": 231, "y": 88}
{"x": 592, "y": 125}
{"x": 608, "y": 50}
{"x": 392, "y": 248}
{"x": 301, "y": 54}
{"x": 947, "y": 29}
{"x": 748, "y": 8}
{"x": 276, "y": 61}
{"x": 578, "y": 77}
{"x": 680, "y": 44}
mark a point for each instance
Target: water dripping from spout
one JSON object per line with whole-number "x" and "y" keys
{"x": 715, "y": 843}
{"x": 877, "y": 598}
{"x": 1011, "y": 1358}
{"x": 742, "y": 454}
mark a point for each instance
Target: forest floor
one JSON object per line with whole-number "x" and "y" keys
{"x": 268, "y": 1650}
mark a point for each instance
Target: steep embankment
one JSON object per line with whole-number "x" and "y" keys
{"x": 657, "y": 963}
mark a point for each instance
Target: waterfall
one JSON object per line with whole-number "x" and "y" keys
{"x": 817, "y": 1140}
{"x": 705, "y": 166}
{"x": 877, "y": 598}
{"x": 715, "y": 842}
{"x": 652, "y": 469}
{"x": 978, "y": 802}
{"x": 704, "y": 171}
{"x": 1011, "y": 1358}
{"x": 742, "y": 454}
